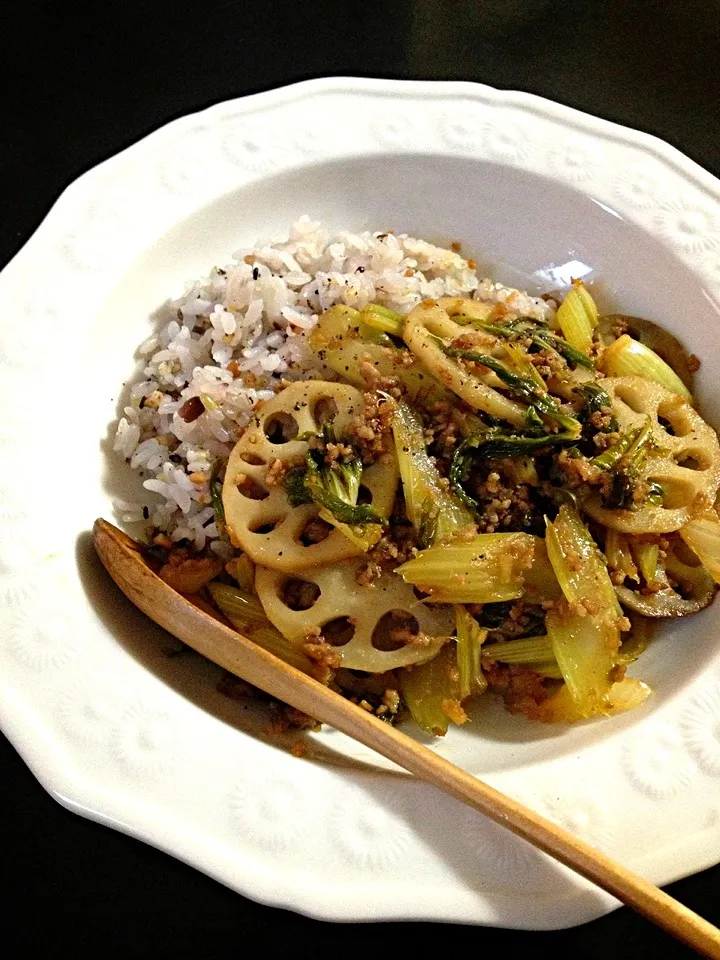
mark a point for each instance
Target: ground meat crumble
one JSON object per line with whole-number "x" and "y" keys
{"x": 521, "y": 689}
{"x": 371, "y": 432}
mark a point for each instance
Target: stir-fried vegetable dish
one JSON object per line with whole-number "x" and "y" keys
{"x": 470, "y": 502}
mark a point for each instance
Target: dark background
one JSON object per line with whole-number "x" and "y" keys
{"x": 79, "y": 85}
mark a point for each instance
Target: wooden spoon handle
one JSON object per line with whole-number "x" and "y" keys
{"x": 123, "y": 560}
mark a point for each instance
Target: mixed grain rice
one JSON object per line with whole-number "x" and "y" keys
{"x": 233, "y": 338}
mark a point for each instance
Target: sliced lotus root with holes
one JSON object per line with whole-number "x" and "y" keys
{"x": 376, "y": 627}
{"x": 466, "y": 307}
{"x": 696, "y": 588}
{"x": 259, "y": 517}
{"x": 429, "y": 322}
{"x": 685, "y": 460}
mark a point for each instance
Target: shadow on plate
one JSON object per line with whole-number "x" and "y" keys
{"x": 192, "y": 676}
{"x": 206, "y": 686}
{"x": 486, "y": 858}
{"x": 482, "y": 854}
{"x": 126, "y": 484}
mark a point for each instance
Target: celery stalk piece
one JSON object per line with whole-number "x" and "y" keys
{"x": 373, "y": 336}
{"x": 247, "y": 615}
{"x": 646, "y": 556}
{"x": 338, "y": 319}
{"x": 586, "y": 650}
{"x": 584, "y": 631}
{"x": 630, "y": 358}
{"x": 535, "y": 653}
{"x": 431, "y": 509}
{"x": 703, "y": 537}
{"x": 382, "y": 319}
{"x": 625, "y": 695}
{"x": 242, "y": 569}
{"x": 522, "y": 365}
{"x": 578, "y": 564}
{"x": 577, "y": 317}
{"x": 525, "y": 650}
{"x": 429, "y": 687}
{"x": 540, "y": 580}
{"x": 635, "y": 642}
{"x": 618, "y": 554}
{"x": 470, "y": 637}
{"x": 242, "y": 605}
{"x": 548, "y": 669}
{"x": 487, "y": 569}
{"x": 363, "y": 535}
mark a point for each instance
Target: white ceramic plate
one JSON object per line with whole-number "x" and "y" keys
{"x": 118, "y": 731}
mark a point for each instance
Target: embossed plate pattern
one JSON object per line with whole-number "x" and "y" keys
{"x": 118, "y": 731}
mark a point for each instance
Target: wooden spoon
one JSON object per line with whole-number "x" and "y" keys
{"x": 124, "y": 561}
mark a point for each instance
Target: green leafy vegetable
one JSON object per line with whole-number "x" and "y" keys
{"x": 493, "y": 615}
{"x": 334, "y": 487}
{"x": 297, "y": 492}
{"x": 568, "y": 352}
{"x": 522, "y": 387}
{"x": 495, "y": 443}
{"x": 610, "y": 457}
{"x": 596, "y": 397}
{"x": 538, "y": 333}
{"x": 625, "y": 459}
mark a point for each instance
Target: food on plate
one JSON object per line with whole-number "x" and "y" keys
{"x": 421, "y": 487}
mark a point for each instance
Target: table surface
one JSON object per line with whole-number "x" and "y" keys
{"x": 87, "y": 86}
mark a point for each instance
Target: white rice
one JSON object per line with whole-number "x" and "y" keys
{"x": 255, "y": 314}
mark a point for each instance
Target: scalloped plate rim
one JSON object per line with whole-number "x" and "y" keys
{"x": 35, "y": 745}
